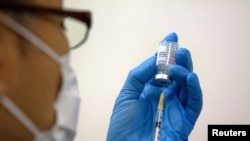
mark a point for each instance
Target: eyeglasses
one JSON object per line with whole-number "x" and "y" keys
{"x": 76, "y": 23}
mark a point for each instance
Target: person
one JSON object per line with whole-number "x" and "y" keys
{"x": 39, "y": 97}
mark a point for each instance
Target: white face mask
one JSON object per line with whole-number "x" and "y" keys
{"x": 67, "y": 103}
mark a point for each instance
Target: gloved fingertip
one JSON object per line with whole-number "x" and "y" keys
{"x": 183, "y": 51}
{"x": 194, "y": 100}
{"x": 183, "y": 58}
{"x": 171, "y": 37}
{"x": 194, "y": 84}
{"x": 178, "y": 73}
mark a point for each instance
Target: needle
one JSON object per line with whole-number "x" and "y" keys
{"x": 159, "y": 117}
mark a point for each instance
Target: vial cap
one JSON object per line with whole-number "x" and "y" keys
{"x": 163, "y": 78}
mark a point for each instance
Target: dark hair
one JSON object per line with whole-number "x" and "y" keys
{"x": 17, "y": 1}
{"x": 17, "y": 16}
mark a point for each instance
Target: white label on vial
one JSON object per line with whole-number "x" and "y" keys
{"x": 165, "y": 54}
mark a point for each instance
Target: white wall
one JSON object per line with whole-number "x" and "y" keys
{"x": 126, "y": 32}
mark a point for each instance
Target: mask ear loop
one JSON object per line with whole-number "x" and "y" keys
{"x": 29, "y": 36}
{"x": 17, "y": 113}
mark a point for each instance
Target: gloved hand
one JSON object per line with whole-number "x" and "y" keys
{"x": 133, "y": 117}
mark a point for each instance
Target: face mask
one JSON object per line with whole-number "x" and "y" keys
{"x": 67, "y": 103}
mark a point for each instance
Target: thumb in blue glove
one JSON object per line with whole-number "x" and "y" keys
{"x": 133, "y": 117}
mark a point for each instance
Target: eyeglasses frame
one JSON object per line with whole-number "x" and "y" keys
{"x": 83, "y": 16}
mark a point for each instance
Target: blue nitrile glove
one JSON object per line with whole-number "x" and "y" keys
{"x": 133, "y": 117}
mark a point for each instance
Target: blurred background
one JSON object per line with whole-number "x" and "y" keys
{"x": 125, "y": 33}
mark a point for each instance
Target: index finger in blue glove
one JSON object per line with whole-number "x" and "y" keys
{"x": 183, "y": 58}
{"x": 190, "y": 82}
{"x": 194, "y": 100}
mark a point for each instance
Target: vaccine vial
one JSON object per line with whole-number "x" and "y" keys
{"x": 165, "y": 56}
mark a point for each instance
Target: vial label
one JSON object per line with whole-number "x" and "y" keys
{"x": 166, "y": 53}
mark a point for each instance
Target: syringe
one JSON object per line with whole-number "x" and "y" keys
{"x": 158, "y": 118}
